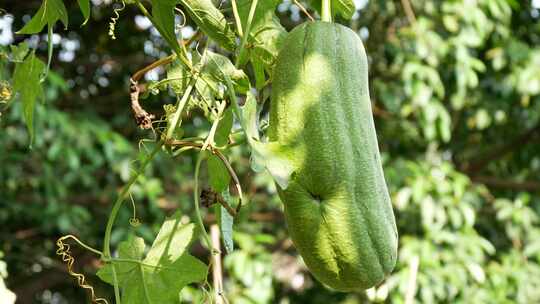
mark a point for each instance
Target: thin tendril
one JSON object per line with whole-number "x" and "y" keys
{"x": 112, "y": 24}
{"x": 183, "y": 18}
{"x": 134, "y": 221}
{"x": 64, "y": 251}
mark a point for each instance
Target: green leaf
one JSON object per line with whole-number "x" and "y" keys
{"x": 210, "y": 82}
{"x": 226, "y": 221}
{"x": 250, "y": 116}
{"x": 275, "y": 159}
{"x": 26, "y": 81}
{"x": 258, "y": 71}
{"x": 166, "y": 269}
{"x": 215, "y": 65}
{"x": 48, "y": 14}
{"x": 84, "y": 5}
{"x": 171, "y": 242}
{"x": 133, "y": 249}
{"x": 18, "y": 52}
{"x": 211, "y": 21}
{"x": 345, "y": 8}
{"x": 177, "y": 77}
{"x": 264, "y": 155}
{"x": 224, "y": 128}
{"x": 267, "y": 34}
{"x": 163, "y": 17}
{"x": 218, "y": 175}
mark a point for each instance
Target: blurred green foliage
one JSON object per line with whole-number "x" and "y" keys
{"x": 456, "y": 94}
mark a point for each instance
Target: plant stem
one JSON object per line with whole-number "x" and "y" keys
{"x": 210, "y": 139}
{"x": 237, "y": 18}
{"x": 116, "y": 289}
{"x": 246, "y": 32}
{"x": 122, "y": 197}
{"x": 87, "y": 247}
{"x": 175, "y": 120}
{"x": 326, "y": 11}
{"x": 407, "y": 7}
{"x": 216, "y": 265}
{"x": 200, "y": 223}
{"x": 162, "y": 61}
{"x": 49, "y": 52}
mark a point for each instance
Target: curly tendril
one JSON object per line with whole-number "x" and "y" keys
{"x": 64, "y": 251}
{"x": 178, "y": 27}
{"x": 134, "y": 221}
{"x": 112, "y": 24}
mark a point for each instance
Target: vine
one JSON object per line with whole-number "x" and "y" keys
{"x": 205, "y": 80}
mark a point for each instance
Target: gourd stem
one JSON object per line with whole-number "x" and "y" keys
{"x": 326, "y": 11}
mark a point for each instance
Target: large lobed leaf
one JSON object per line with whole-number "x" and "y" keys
{"x": 166, "y": 269}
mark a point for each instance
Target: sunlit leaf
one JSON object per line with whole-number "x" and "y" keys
{"x": 214, "y": 65}
{"x": 275, "y": 159}
{"x": 166, "y": 269}
{"x": 250, "y": 116}
{"x": 267, "y": 34}
{"x": 224, "y": 128}
{"x": 177, "y": 77}
{"x": 211, "y": 21}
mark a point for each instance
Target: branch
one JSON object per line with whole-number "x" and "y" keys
{"x": 162, "y": 61}
{"x": 495, "y": 182}
{"x": 265, "y": 216}
{"x": 143, "y": 118}
{"x": 303, "y": 9}
{"x": 380, "y": 112}
{"x": 409, "y": 12}
{"x": 209, "y": 197}
{"x": 479, "y": 162}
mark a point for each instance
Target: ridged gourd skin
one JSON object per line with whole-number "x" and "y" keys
{"x": 337, "y": 205}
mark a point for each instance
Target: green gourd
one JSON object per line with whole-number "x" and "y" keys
{"x": 337, "y": 205}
